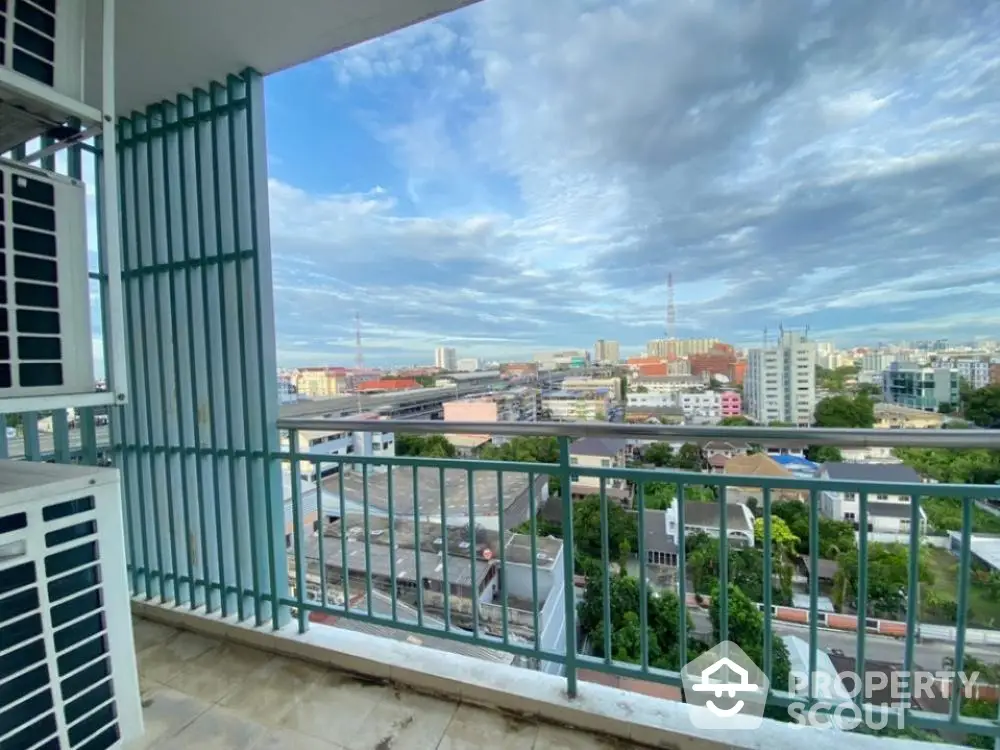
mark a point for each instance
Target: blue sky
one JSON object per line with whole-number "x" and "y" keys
{"x": 518, "y": 176}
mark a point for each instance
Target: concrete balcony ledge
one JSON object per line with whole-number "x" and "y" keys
{"x": 599, "y": 710}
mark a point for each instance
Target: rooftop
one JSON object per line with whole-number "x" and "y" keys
{"x": 547, "y": 549}
{"x": 429, "y": 489}
{"x": 871, "y": 472}
{"x": 393, "y": 384}
{"x": 592, "y": 446}
{"x": 755, "y": 464}
{"x": 706, "y": 515}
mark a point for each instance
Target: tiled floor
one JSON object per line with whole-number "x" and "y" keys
{"x": 201, "y": 693}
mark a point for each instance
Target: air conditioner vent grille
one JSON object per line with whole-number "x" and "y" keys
{"x": 33, "y": 51}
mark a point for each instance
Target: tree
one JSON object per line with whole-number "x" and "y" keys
{"x": 624, "y": 554}
{"x": 642, "y": 389}
{"x": 781, "y": 536}
{"x": 663, "y": 612}
{"x": 623, "y": 382}
{"x": 430, "y": 446}
{"x": 622, "y": 528}
{"x": 754, "y": 505}
{"x": 983, "y": 406}
{"x": 745, "y": 568}
{"x": 659, "y": 495}
{"x": 844, "y": 411}
{"x": 523, "y": 450}
{"x": 972, "y": 466}
{"x": 823, "y": 454}
{"x": 738, "y": 421}
{"x": 888, "y": 578}
{"x": 659, "y": 454}
{"x": 945, "y": 408}
{"x": 834, "y": 536}
{"x": 688, "y": 458}
{"x": 746, "y": 629}
{"x": 836, "y": 379}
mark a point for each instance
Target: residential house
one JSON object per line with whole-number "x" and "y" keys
{"x": 725, "y": 448}
{"x": 704, "y": 518}
{"x": 603, "y": 453}
{"x": 758, "y": 465}
{"x": 888, "y": 512}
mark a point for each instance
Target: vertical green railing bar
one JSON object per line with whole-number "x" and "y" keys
{"x": 605, "y": 570}
{"x": 502, "y": 541}
{"x": 368, "y": 537}
{"x": 132, "y": 301}
{"x": 29, "y": 431}
{"x": 60, "y": 436}
{"x": 682, "y": 625}
{"x": 768, "y": 583}
{"x": 227, "y": 355}
{"x": 813, "y": 587}
{"x": 4, "y": 449}
{"x": 533, "y": 530}
{"x": 566, "y": 488}
{"x": 297, "y": 519}
{"x": 252, "y": 80}
{"x": 417, "y": 547}
{"x": 964, "y": 575}
{"x": 230, "y": 97}
{"x": 156, "y": 257}
{"x": 170, "y": 116}
{"x": 142, "y": 252}
{"x": 862, "y": 624}
{"x": 473, "y": 550}
{"x": 912, "y": 603}
{"x": 643, "y": 585}
{"x": 445, "y": 552}
{"x": 320, "y": 541}
{"x": 723, "y": 565}
{"x": 344, "y": 570}
{"x": 391, "y": 503}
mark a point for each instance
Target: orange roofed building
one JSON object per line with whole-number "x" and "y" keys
{"x": 395, "y": 384}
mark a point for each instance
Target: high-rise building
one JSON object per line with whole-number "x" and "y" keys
{"x": 926, "y": 388}
{"x": 445, "y": 358}
{"x": 780, "y": 382}
{"x": 606, "y": 351}
{"x": 682, "y": 347}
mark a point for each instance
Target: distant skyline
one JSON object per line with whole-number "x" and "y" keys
{"x": 508, "y": 179}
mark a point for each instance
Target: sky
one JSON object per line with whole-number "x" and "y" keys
{"x": 520, "y": 176}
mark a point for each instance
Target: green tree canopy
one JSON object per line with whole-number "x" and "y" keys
{"x": 844, "y": 411}
{"x": 823, "y": 454}
{"x": 746, "y": 630}
{"x": 523, "y": 449}
{"x": 836, "y": 379}
{"x": 737, "y": 421}
{"x": 983, "y": 406}
{"x": 663, "y": 611}
{"x": 745, "y": 568}
{"x": 659, "y": 454}
{"x": 427, "y": 446}
{"x": 888, "y": 578}
{"x": 972, "y": 466}
{"x": 781, "y": 535}
{"x": 834, "y": 536}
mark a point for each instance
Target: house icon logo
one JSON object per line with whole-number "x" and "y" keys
{"x": 725, "y": 688}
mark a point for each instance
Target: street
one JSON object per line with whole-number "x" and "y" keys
{"x": 877, "y": 648}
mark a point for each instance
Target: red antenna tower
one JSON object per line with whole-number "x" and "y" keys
{"x": 671, "y": 311}
{"x": 359, "y": 357}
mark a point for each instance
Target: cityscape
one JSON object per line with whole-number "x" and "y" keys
{"x": 790, "y": 381}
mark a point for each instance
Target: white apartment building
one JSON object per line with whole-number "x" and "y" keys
{"x": 699, "y": 407}
{"x": 781, "y": 381}
{"x": 468, "y": 364}
{"x": 334, "y": 442}
{"x": 669, "y": 383}
{"x": 576, "y": 406}
{"x": 595, "y": 385}
{"x": 975, "y": 371}
{"x": 445, "y": 358}
{"x": 877, "y": 361}
{"x": 888, "y": 513}
{"x": 606, "y": 351}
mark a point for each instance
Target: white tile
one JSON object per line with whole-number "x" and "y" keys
{"x": 216, "y": 729}
{"x": 165, "y": 712}
{"x": 285, "y": 739}
{"x": 335, "y": 707}
{"x": 404, "y": 720}
{"x": 474, "y": 728}
{"x": 164, "y": 660}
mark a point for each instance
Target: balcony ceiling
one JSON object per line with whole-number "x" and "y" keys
{"x": 166, "y": 48}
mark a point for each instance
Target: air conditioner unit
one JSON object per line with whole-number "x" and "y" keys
{"x": 45, "y": 336}
{"x": 41, "y": 52}
{"x": 67, "y": 662}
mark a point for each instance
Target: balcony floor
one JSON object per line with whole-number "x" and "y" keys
{"x": 198, "y": 692}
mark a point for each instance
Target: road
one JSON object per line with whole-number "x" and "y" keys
{"x": 877, "y": 648}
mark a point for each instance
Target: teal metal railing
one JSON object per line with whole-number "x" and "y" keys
{"x": 413, "y": 502}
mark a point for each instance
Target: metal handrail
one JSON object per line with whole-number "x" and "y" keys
{"x": 841, "y": 437}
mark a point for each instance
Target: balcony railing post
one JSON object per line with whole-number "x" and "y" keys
{"x": 565, "y": 482}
